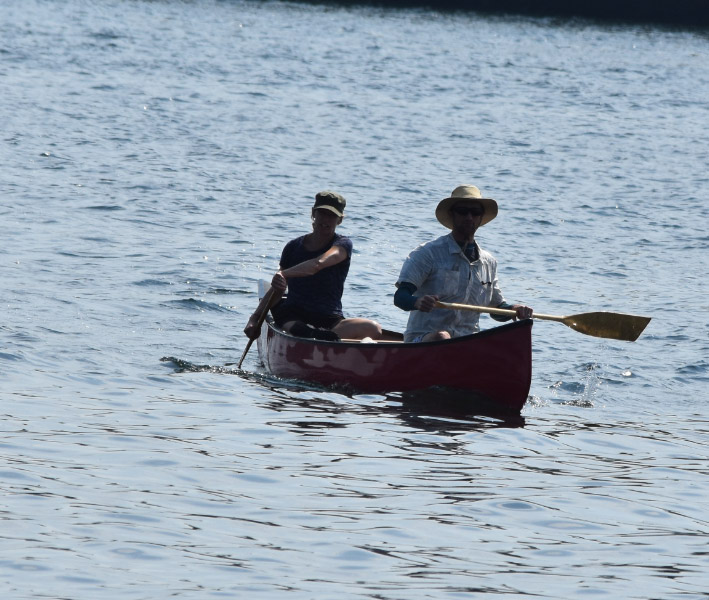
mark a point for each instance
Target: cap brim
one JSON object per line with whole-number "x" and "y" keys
{"x": 332, "y": 209}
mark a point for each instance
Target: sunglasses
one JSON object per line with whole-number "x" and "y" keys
{"x": 474, "y": 211}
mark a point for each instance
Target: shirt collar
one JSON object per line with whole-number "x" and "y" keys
{"x": 454, "y": 247}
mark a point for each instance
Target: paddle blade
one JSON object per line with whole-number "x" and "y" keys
{"x": 614, "y": 326}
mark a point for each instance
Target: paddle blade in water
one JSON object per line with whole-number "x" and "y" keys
{"x": 614, "y": 326}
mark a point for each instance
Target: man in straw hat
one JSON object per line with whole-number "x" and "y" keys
{"x": 452, "y": 268}
{"x": 313, "y": 268}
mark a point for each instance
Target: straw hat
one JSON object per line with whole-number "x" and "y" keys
{"x": 460, "y": 194}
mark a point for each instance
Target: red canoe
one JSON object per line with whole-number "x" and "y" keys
{"x": 495, "y": 365}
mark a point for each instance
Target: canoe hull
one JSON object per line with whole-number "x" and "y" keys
{"x": 494, "y": 365}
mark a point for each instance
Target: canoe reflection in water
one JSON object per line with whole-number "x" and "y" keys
{"x": 437, "y": 410}
{"x": 446, "y": 410}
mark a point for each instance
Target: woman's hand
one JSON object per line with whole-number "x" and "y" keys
{"x": 279, "y": 282}
{"x": 251, "y": 330}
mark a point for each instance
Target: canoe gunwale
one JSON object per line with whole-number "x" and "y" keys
{"x": 463, "y": 339}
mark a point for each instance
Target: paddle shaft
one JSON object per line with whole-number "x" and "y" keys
{"x": 268, "y": 298}
{"x": 495, "y": 311}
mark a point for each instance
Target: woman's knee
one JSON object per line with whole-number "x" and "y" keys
{"x": 359, "y": 328}
{"x": 374, "y": 330}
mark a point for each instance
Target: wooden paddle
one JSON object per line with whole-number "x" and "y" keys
{"x": 615, "y": 326}
{"x": 269, "y": 299}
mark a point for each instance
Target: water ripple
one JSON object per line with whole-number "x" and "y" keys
{"x": 160, "y": 154}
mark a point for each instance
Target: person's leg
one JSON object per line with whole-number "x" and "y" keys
{"x": 301, "y": 323}
{"x": 358, "y": 329}
{"x": 435, "y": 336}
{"x": 300, "y": 329}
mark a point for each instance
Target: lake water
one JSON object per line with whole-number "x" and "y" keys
{"x": 156, "y": 157}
